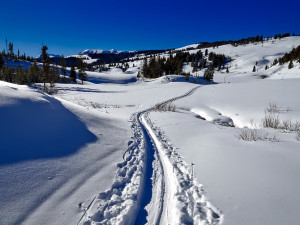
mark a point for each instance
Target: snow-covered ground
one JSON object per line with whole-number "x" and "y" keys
{"x": 252, "y": 182}
{"x": 99, "y": 146}
{"x": 55, "y": 156}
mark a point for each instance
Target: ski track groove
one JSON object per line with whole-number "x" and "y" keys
{"x": 120, "y": 204}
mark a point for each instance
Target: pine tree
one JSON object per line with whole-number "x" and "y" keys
{"x": 187, "y": 76}
{"x": 35, "y": 73}
{"x": 81, "y": 70}
{"x": 11, "y": 49}
{"x": 63, "y": 68}
{"x": 21, "y": 78}
{"x": 145, "y": 69}
{"x": 291, "y": 65}
{"x": 206, "y": 52}
{"x": 46, "y": 67}
{"x": 73, "y": 74}
{"x": 209, "y": 74}
{"x": 1, "y": 61}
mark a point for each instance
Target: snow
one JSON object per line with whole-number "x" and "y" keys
{"x": 251, "y": 182}
{"x": 60, "y": 155}
{"x": 49, "y": 55}
{"x": 102, "y": 51}
{"x": 80, "y": 156}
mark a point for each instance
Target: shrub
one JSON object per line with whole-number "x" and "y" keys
{"x": 271, "y": 120}
{"x": 250, "y": 135}
{"x": 298, "y": 135}
{"x": 165, "y": 107}
{"x": 273, "y": 108}
{"x": 255, "y": 135}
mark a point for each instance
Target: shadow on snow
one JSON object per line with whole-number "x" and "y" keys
{"x": 37, "y": 130}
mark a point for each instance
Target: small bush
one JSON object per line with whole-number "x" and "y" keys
{"x": 255, "y": 135}
{"x": 273, "y": 108}
{"x": 296, "y": 126}
{"x": 287, "y": 124}
{"x": 165, "y": 107}
{"x": 298, "y": 135}
{"x": 250, "y": 135}
{"x": 271, "y": 120}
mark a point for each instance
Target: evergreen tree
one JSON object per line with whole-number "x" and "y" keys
{"x": 35, "y": 73}
{"x": 291, "y": 65}
{"x": 63, "y": 68}
{"x": 73, "y": 74}
{"x": 209, "y": 74}
{"x": 6, "y": 44}
{"x": 81, "y": 70}
{"x": 144, "y": 70}
{"x": 46, "y": 67}
{"x": 20, "y": 78}
{"x": 206, "y": 52}
{"x": 1, "y": 61}
{"x": 11, "y": 49}
{"x": 187, "y": 76}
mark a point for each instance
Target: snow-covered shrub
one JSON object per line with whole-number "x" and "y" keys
{"x": 298, "y": 135}
{"x": 273, "y": 108}
{"x": 271, "y": 120}
{"x": 296, "y": 126}
{"x": 247, "y": 134}
{"x": 287, "y": 124}
{"x": 250, "y": 135}
{"x": 165, "y": 107}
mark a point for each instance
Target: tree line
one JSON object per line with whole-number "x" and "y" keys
{"x": 243, "y": 41}
{"x": 290, "y": 57}
{"x": 45, "y": 72}
{"x": 158, "y": 66}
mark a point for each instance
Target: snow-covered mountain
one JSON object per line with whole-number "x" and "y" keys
{"x": 103, "y": 51}
{"x": 39, "y": 57}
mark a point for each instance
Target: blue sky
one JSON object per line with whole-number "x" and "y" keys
{"x": 68, "y": 27}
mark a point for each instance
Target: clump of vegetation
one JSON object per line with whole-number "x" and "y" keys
{"x": 250, "y": 135}
{"x": 298, "y": 135}
{"x": 290, "y": 57}
{"x": 157, "y": 66}
{"x": 271, "y": 119}
{"x": 247, "y": 134}
{"x": 273, "y": 108}
{"x": 208, "y": 74}
{"x": 165, "y": 107}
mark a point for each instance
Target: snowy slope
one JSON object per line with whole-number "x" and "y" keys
{"x": 92, "y": 147}
{"x": 55, "y": 156}
{"x": 246, "y": 56}
{"x": 252, "y": 182}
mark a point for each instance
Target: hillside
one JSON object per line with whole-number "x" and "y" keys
{"x": 126, "y": 149}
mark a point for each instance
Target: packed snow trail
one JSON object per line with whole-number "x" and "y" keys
{"x": 146, "y": 194}
{"x": 153, "y": 185}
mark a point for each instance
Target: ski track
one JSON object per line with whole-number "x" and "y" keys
{"x": 177, "y": 197}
